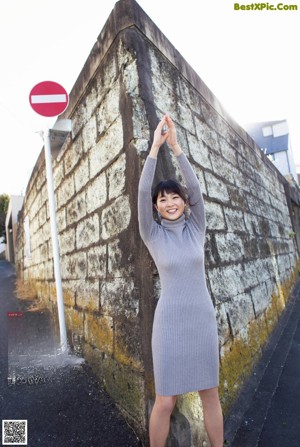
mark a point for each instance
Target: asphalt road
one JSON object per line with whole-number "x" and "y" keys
{"x": 58, "y": 395}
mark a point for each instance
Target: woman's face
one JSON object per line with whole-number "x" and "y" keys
{"x": 170, "y": 205}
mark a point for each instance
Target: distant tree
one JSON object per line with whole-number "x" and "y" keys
{"x": 4, "y": 201}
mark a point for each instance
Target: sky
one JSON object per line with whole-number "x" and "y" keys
{"x": 248, "y": 58}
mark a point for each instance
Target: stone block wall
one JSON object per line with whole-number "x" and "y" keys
{"x": 132, "y": 76}
{"x": 95, "y": 187}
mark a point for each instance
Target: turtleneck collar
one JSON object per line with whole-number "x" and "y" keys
{"x": 171, "y": 224}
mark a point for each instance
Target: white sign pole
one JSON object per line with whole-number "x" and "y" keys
{"x": 55, "y": 246}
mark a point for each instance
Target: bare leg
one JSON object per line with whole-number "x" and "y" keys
{"x": 213, "y": 416}
{"x": 160, "y": 420}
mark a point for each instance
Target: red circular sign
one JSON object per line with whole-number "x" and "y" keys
{"x": 48, "y": 98}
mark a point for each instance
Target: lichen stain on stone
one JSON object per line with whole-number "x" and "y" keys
{"x": 68, "y": 296}
{"x": 240, "y": 355}
{"x": 52, "y": 293}
{"x": 123, "y": 357}
{"x": 190, "y": 404}
{"x": 98, "y": 331}
{"x": 43, "y": 290}
{"x": 31, "y": 293}
{"x": 150, "y": 386}
{"x": 125, "y": 386}
{"x": 74, "y": 320}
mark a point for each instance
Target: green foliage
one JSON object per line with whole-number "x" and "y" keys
{"x": 4, "y": 201}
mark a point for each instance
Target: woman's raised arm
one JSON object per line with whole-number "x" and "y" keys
{"x": 145, "y": 205}
{"x": 196, "y": 201}
{"x": 192, "y": 183}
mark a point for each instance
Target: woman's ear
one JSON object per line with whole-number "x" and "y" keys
{"x": 155, "y": 206}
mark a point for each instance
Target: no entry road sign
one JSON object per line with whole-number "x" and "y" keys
{"x": 48, "y": 98}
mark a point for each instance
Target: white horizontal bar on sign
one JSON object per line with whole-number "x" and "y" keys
{"x": 40, "y": 99}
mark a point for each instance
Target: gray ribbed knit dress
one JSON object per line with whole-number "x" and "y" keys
{"x": 184, "y": 336}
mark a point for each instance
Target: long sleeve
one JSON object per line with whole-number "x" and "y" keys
{"x": 145, "y": 205}
{"x": 193, "y": 188}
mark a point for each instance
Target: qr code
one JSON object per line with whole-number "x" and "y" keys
{"x": 14, "y": 432}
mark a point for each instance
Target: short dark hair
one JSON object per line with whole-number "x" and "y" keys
{"x": 168, "y": 186}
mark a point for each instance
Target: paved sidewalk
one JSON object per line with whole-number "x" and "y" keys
{"x": 57, "y": 394}
{"x": 267, "y": 414}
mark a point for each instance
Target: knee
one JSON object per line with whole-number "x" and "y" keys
{"x": 165, "y": 404}
{"x": 209, "y": 397}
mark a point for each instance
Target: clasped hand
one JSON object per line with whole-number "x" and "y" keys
{"x": 161, "y": 136}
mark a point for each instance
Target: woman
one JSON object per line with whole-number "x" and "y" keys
{"x": 184, "y": 337}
